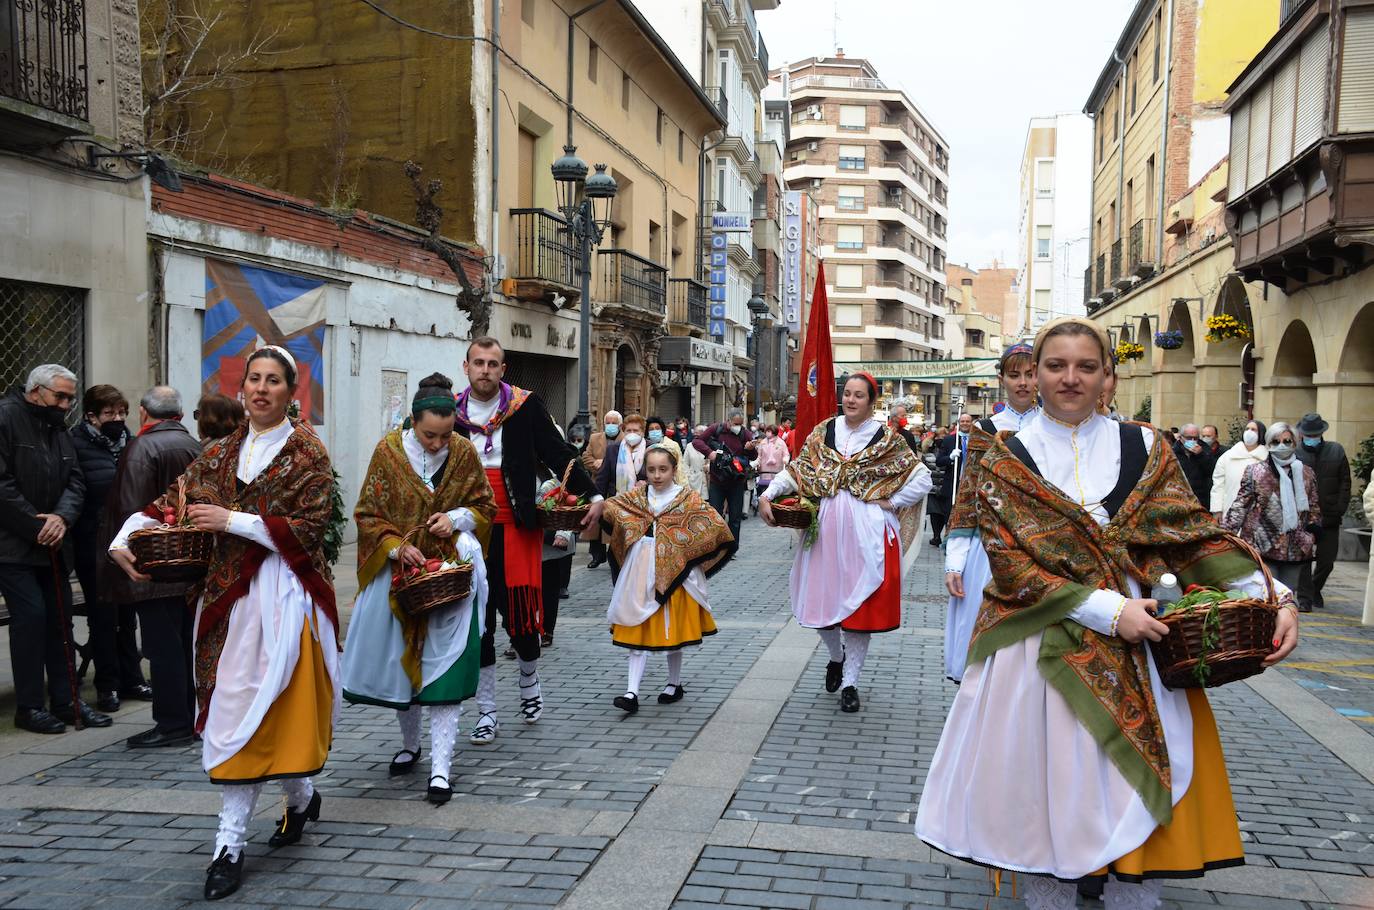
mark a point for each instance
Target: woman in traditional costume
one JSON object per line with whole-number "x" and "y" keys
{"x": 422, "y": 475}
{"x": 665, "y": 541}
{"x": 1063, "y": 755}
{"x": 266, "y": 647}
{"x": 966, "y": 562}
{"x": 847, "y": 584}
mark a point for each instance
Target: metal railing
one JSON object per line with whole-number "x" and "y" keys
{"x": 1087, "y": 284}
{"x": 43, "y": 55}
{"x": 1141, "y": 253}
{"x": 717, "y": 95}
{"x": 632, "y": 281}
{"x": 763, "y": 55}
{"x": 837, "y": 82}
{"x": 1101, "y": 273}
{"x": 687, "y": 303}
{"x": 41, "y": 323}
{"x": 1116, "y": 260}
{"x": 544, "y": 247}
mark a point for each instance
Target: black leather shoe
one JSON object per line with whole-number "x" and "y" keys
{"x": 439, "y": 795}
{"x": 159, "y": 739}
{"x": 401, "y": 766}
{"x": 595, "y": 561}
{"x": 665, "y": 698}
{"x": 627, "y": 703}
{"x": 223, "y": 877}
{"x": 849, "y": 700}
{"x": 107, "y": 702}
{"x": 293, "y": 823}
{"x": 834, "y": 673}
{"x": 36, "y": 720}
{"x": 89, "y": 716}
{"x": 140, "y": 692}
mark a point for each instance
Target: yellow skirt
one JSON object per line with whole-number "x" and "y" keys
{"x": 676, "y": 624}
{"x": 1204, "y": 833}
{"x": 294, "y": 736}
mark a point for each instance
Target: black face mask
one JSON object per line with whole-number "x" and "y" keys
{"x": 112, "y": 430}
{"x": 53, "y": 415}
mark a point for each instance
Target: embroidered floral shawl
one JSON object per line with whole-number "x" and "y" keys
{"x": 688, "y": 533}
{"x": 876, "y": 472}
{"x": 1047, "y": 555}
{"x": 292, "y": 496}
{"x": 394, "y": 499}
{"x": 963, "y": 519}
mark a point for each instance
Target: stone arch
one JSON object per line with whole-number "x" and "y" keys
{"x": 1357, "y": 355}
{"x": 1295, "y": 363}
{"x": 625, "y": 393}
{"x": 1146, "y": 339}
{"x": 1181, "y": 320}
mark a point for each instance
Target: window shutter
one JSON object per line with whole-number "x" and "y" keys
{"x": 1255, "y": 168}
{"x": 1240, "y": 150}
{"x": 1355, "y": 107}
{"x": 1281, "y": 115}
{"x": 1311, "y": 108}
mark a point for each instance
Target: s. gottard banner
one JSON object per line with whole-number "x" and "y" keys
{"x": 927, "y": 370}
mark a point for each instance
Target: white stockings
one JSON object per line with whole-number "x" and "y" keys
{"x": 1127, "y": 896}
{"x": 486, "y": 690}
{"x": 237, "y": 809}
{"x": 409, "y": 719}
{"x": 636, "y": 663}
{"x": 443, "y": 733}
{"x": 833, "y": 643}
{"x": 855, "y": 650}
{"x": 674, "y": 671}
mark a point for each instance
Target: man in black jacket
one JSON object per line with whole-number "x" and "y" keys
{"x": 147, "y": 468}
{"x": 725, "y": 445}
{"x": 1328, "y": 461}
{"x": 514, "y": 435}
{"x": 41, "y": 488}
{"x": 1197, "y": 462}
{"x": 950, "y": 458}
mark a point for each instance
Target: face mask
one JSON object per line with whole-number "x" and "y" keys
{"x": 53, "y": 415}
{"x": 654, "y": 436}
{"x": 1208, "y": 440}
{"x": 1311, "y": 441}
{"x": 612, "y": 430}
{"x": 1281, "y": 451}
{"x": 1190, "y": 444}
{"x": 112, "y": 430}
{"x": 736, "y": 429}
{"x": 633, "y": 439}
{"x": 1250, "y": 437}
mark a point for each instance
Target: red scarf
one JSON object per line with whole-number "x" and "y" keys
{"x": 524, "y": 566}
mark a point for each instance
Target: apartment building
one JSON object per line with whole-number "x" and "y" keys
{"x": 880, "y": 173}
{"x": 1055, "y": 201}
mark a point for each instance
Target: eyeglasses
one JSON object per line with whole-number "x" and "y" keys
{"x": 60, "y": 396}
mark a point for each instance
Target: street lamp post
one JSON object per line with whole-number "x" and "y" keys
{"x": 759, "y": 310}
{"x": 586, "y": 204}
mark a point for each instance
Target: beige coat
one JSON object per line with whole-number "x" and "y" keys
{"x": 595, "y": 451}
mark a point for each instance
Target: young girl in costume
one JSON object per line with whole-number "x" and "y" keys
{"x": 665, "y": 541}
{"x": 422, "y": 475}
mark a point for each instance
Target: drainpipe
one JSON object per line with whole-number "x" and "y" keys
{"x": 495, "y": 131}
{"x": 1120, "y": 158}
{"x": 1164, "y": 137}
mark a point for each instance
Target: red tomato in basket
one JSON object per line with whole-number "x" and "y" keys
{"x": 569, "y": 500}
{"x": 168, "y": 516}
{"x": 432, "y": 565}
{"x": 789, "y": 501}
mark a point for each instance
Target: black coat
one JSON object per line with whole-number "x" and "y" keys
{"x": 1332, "y": 468}
{"x": 529, "y": 438}
{"x": 1198, "y": 469}
{"x": 39, "y": 473}
{"x": 945, "y": 458}
{"x": 147, "y": 468}
{"x": 97, "y": 458}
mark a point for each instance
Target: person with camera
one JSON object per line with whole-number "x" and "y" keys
{"x": 729, "y": 448}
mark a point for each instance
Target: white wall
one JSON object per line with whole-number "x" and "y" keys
{"x": 679, "y": 24}
{"x": 1073, "y": 210}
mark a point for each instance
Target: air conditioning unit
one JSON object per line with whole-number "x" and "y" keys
{"x": 1209, "y": 236}
{"x": 813, "y": 146}
{"x": 894, "y": 192}
{"x": 816, "y": 183}
{"x": 814, "y": 112}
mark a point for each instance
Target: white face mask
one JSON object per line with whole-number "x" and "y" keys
{"x": 633, "y": 439}
{"x": 1208, "y": 440}
{"x": 736, "y": 428}
{"x": 1281, "y": 451}
{"x": 1250, "y": 437}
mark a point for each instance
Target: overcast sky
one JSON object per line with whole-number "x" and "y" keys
{"x": 979, "y": 69}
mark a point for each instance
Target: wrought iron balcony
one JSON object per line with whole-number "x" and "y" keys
{"x": 1101, "y": 274}
{"x": 722, "y": 102}
{"x": 1116, "y": 260}
{"x": 43, "y": 55}
{"x": 546, "y": 256}
{"x": 1087, "y": 284}
{"x": 687, "y": 303}
{"x": 633, "y": 283}
{"x": 1141, "y": 259}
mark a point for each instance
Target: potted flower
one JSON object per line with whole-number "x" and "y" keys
{"x": 1126, "y": 351}
{"x": 1224, "y": 327}
{"x": 1170, "y": 340}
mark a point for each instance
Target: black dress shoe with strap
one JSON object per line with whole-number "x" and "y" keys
{"x": 89, "y": 716}
{"x": 834, "y": 674}
{"x": 627, "y": 703}
{"x": 667, "y": 698}
{"x": 401, "y": 765}
{"x": 849, "y": 700}
{"x": 293, "y": 823}
{"x": 36, "y": 720}
{"x": 439, "y": 795}
{"x": 224, "y": 876}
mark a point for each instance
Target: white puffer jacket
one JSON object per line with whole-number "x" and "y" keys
{"x": 1226, "y": 476}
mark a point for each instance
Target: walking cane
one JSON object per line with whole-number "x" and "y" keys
{"x": 57, "y": 581}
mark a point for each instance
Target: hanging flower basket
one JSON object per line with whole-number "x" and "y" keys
{"x": 1127, "y": 351}
{"x": 1225, "y": 327}
{"x": 1171, "y": 340}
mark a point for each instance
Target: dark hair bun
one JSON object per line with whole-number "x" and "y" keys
{"x": 436, "y": 381}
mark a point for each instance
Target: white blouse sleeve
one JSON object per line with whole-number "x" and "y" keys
{"x": 914, "y": 490}
{"x": 463, "y": 519}
{"x": 782, "y": 485}
{"x": 135, "y": 522}
{"x": 251, "y": 527}
{"x": 1098, "y": 611}
{"x": 956, "y": 552}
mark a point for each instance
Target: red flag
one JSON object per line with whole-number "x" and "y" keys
{"x": 816, "y": 377}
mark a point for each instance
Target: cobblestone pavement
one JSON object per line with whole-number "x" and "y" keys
{"x": 752, "y": 792}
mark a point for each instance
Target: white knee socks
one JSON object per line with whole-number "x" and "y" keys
{"x": 636, "y": 662}
{"x": 1045, "y": 893}
{"x": 234, "y": 813}
{"x": 486, "y": 690}
{"x": 443, "y": 733}
{"x": 1128, "y": 896}
{"x": 298, "y": 791}
{"x": 409, "y": 719}
{"x": 833, "y": 643}
{"x": 674, "y": 669}
{"x": 855, "y": 650}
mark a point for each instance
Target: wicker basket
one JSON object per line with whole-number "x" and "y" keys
{"x": 173, "y": 553}
{"x": 561, "y": 517}
{"x": 1243, "y": 637}
{"x": 433, "y": 590}
{"x": 798, "y": 516}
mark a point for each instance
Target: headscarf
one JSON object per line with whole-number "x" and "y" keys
{"x": 1054, "y": 324}
{"x": 1292, "y": 488}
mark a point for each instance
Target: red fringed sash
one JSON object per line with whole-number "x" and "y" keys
{"x": 523, "y": 564}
